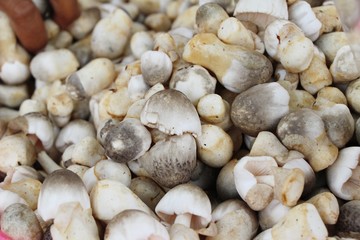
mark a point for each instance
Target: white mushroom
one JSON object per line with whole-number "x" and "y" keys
{"x": 111, "y": 34}
{"x": 85, "y": 23}
{"x": 109, "y": 197}
{"x": 62, "y": 186}
{"x": 352, "y": 95}
{"x": 225, "y": 183}
{"x": 261, "y": 13}
{"x": 209, "y": 17}
{"x": 172, "y": 112}
{"x": 330, "y": 43}
{"x": 192, "y": 210}
{"x": 13, "y": 95}
{"x": 272, "y": 214}
{"x": 32, "y": 105}
{"x": 141, "y": 42}
{"x": 344, "y": 67}
{"x": 90, "y": 79}
{"x": 343, "y": 175}
{"x": 87, "y": 152}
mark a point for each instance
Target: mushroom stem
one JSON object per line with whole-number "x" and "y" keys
{"x": 184, "y": 219}
{"x": 47, "y": 163}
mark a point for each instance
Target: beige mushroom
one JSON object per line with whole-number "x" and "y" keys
{"x": 260, "y": 108}
{"x": 176, "y": 115}
{"x": 127, "y": 225}
{"x": 158, "y": 22}
{"x": 304, "y": 131}
{"x": 171, "y": 161}
{"x": 13, "y": 95}
{"x": 85, "y": 23}
{"x": 212, "y": 108}
{"x": 330, "y": 94}
{"x": 329, "y": 18}
{"x": 272, "y": 214}
{"x": 225, "y": 183}
{"x": 141, "y": 42}
{"x": 235, "y": 63}
{"x": 327, "y": 206}
{"x": 87, "y": 152}
{"x": 32, "y": 105}
{"x": 330, "y": 43}
{"x": 344, "y": 67}
{"x": 352, "y": 95}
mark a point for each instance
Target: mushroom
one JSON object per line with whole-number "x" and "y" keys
{"x": 302, "y": 15}
{"x": 272, "y": 214}
{"x": 344, "y": 67}
{"x": 18, "y": 221}
{"x": 109, "y": 197}
{"x": 235, "y": 63}
{"x": 171, "y": 161}
{"x": 179, "y": 231}
{"x": 87, "y": 152}
{"x": 260, "y": 108}
{"x": 61, "y": 186}
{"x": 260, "y": 13}
{"x": 211, "y": 108}
{"x": 85, "y": 23}
{"x": 330, "y": 43}
{"x": 59, "y": 108}
{"x": 111, "y": 34}
{"x": 183, "y": 80}
{"x": 72, "y": 221}
{"x": 8, "y": 198}
{"x": 53, "y": 65}
{"x": 283, "y": 42}
{"x": 225, "y": 183}
{"x": 234, "y": 220}
{"x": 193, "y": 210}
{"x": 232, "y": 31}
{"x": 13, "y": 96}
{"x": 147, "y": 190}
{"x": 73, "y": 132}
{"x": 186, "y": 19}
{"x": 352, "y": 95}
{"x": 327, "y": 206}
{"x": 343, "y": 175}
{"x": 127, "y": 223}
{"x": 254, "y": 180}
{"x": 156, "y": 67}
{"x": 127, "y": 140}
{"x": 32, "y": 105}
{"x": 87, "y": 81}
{"x": 301, "y": 222}
{"x": 214, "y": 146}
{"x": 209, "y": 17}
{"x": 348, "y": 223}
{"x": 328, "y": 95}
{"x": 171, "y": 112}
{"x": 16, "y": 150}
{"x": 304, "y": 131}
{"x": 82, "y": 50}
{"x": 158, "y": 22}
{"x": 20, "y": 173}
{"x": 141, "y": 42}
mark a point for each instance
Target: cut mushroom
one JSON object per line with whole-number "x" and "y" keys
{"x": 254, "y": 180}
{"x": 343, "y": 175}
{"x": 171, "y": 112}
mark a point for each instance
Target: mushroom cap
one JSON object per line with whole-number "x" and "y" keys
{"x": 171, "y": 112}
{"x": 60, "y": 187}
{"x": 18, "y": 221}
{"x": 171, "y": 161}
{"x": 156, "y": 67}
{"x": 262, "y": 13}
{"x": 260, "y": 108}
{"x": 349, "y": 219}
{"x": 126, "y": 225}
{"x": 343, "y": 175}
{"x": 182, "y": 199}
{"x": 209, "y": 17}
{"x": 126, "y": 141}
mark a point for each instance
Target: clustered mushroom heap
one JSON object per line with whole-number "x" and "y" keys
{"x": 182, "y": 119}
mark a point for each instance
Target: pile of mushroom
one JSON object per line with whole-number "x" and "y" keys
{"x": 182, "y": 119}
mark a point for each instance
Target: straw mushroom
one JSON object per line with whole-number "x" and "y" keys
{"x": 352, "y": 95}
{"x": 156, "y": 67}
{"x": 238, "y": 68}
{"x": 8, "y": 198}
{"x": 260, "y": 108}
{"x": 272, "y": 214}
{"x": 348, "y": 223}
{"x": 184, "y": 80}
{"x": 127, "y": 140}
{"x": 193, "y": 209}
{"x": 330, "y": 43}
{"x": 90, "y": 79}
{"x": 254, "y": 180}
{"x": 85, "y": 23}
{"x": 141, "y": 42}
{"x": 261, "y": 13}
{"x": 171, "y": 112}
{"x": 343, "y": 175}
{"x": 126, "y": 225}
{"x": 171, "y": 161}
{"x": 327, "y": 206}
{"x": 109, "y": 197}
{"x": 329, "y": 18}
{"x": 18, "y": 221}
{"x": 61, "y": 186}
{"x": 304, "y": 131}
{"x": 225, "y": 183}
{"x": 13, "y": 95}
{"x": 209, "y": 17}
{"x": 344, "y": 68}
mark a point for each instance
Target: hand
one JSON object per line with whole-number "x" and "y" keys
{"x": 28, "y": 24}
